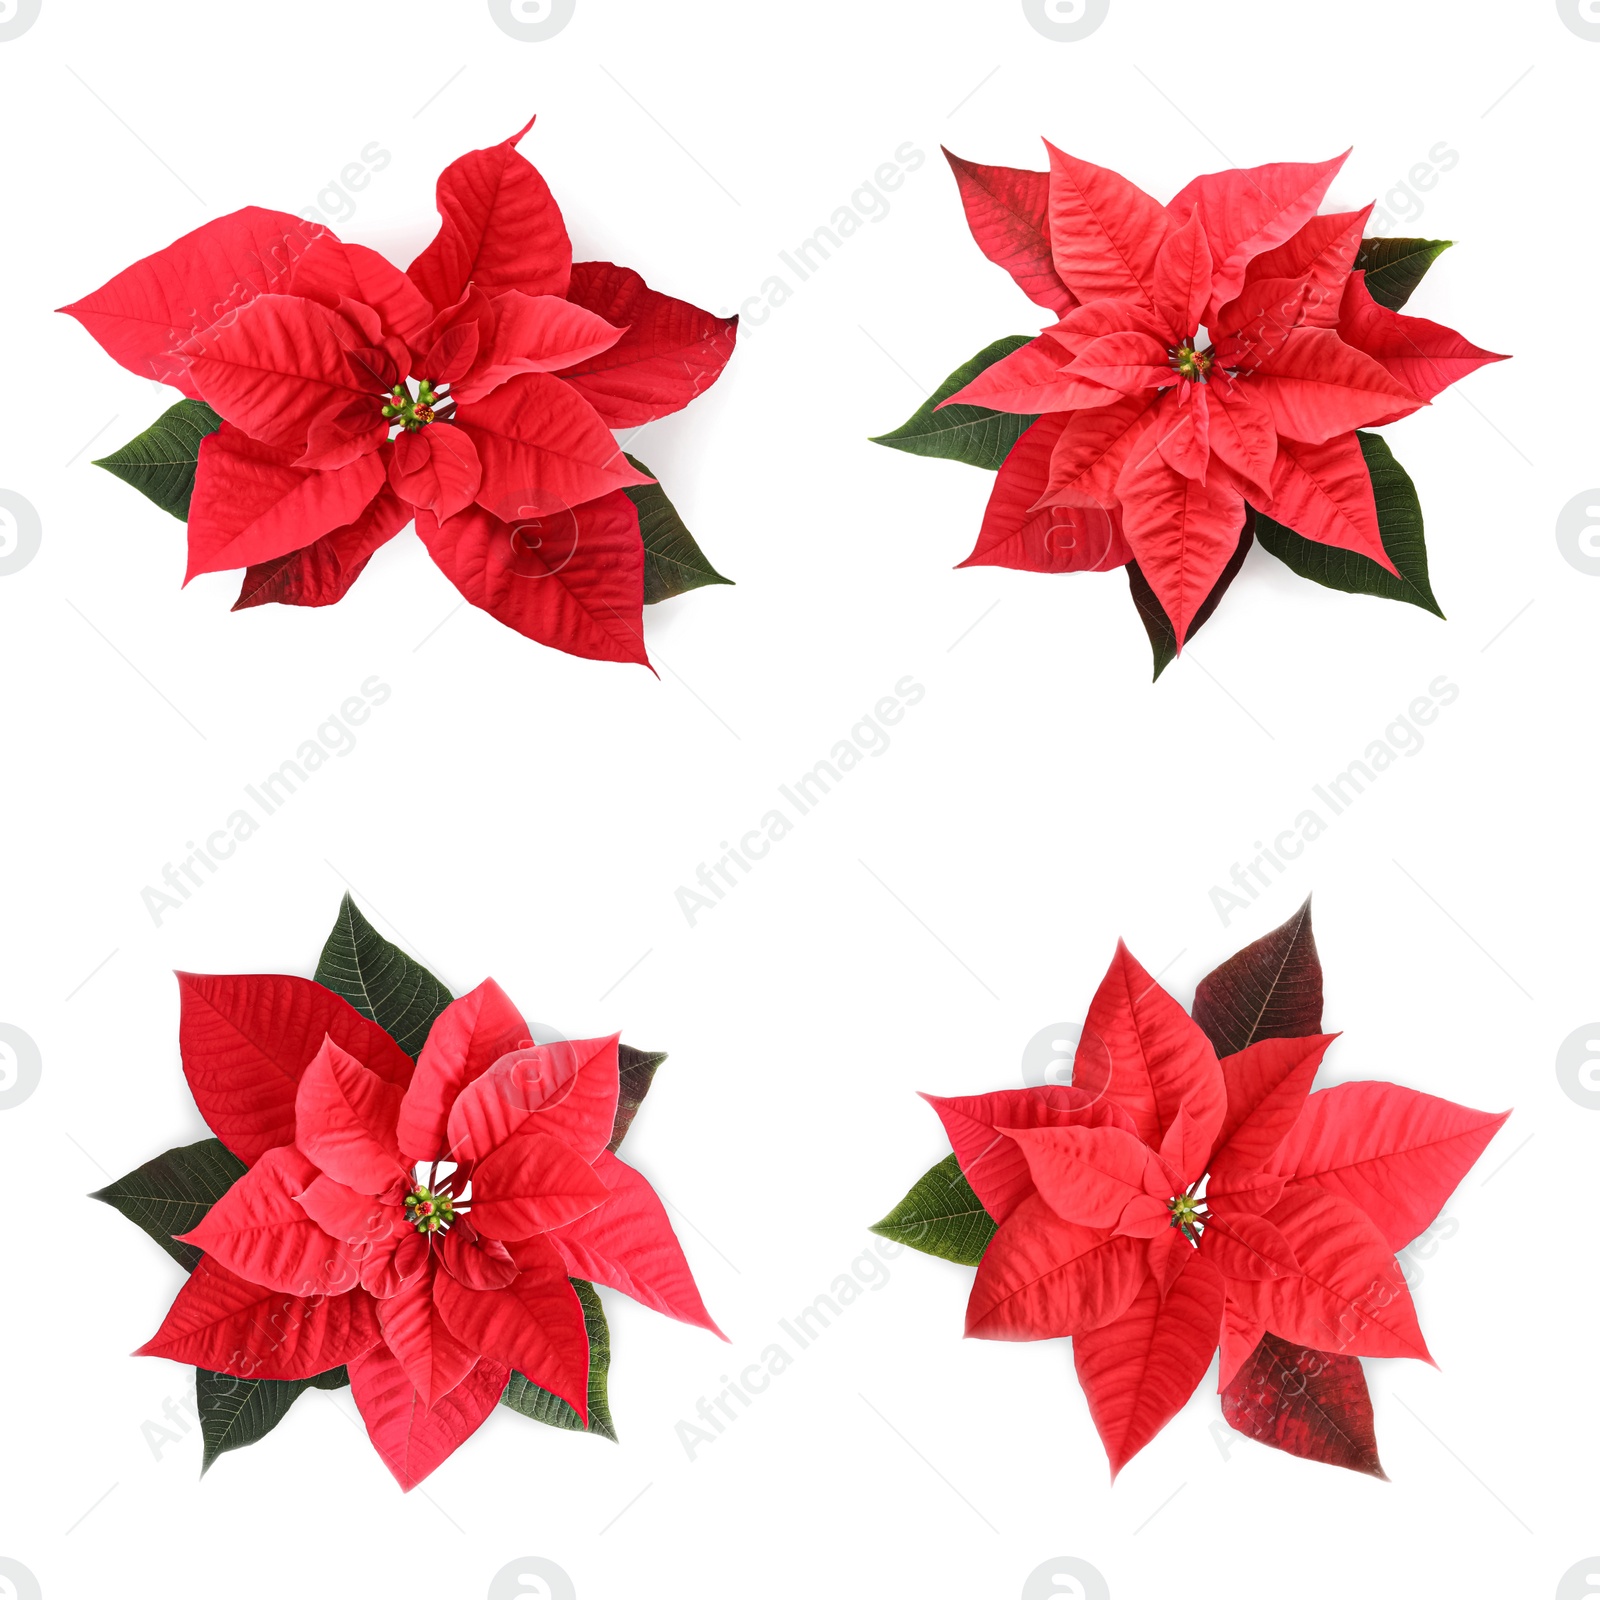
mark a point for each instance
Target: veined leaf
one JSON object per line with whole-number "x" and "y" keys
{"x": 1399, "y": 525}
{"x": 1394, "y": 267}
{"x": 160, "y": 463}
{"x": 380, "y": 980}
{"x": 974, "y": 434}
{"x": 941, "y": 1216}
{"x": 235, "y": 1412}
{"x": 1306, "y": 1402}
{"x": 542, "y": 1406}
{"x": 1271, "y": 989}
{"x": 636, "y": 1071}
{"x": 673, "y": 562}
{"x": 172, "y": 1193}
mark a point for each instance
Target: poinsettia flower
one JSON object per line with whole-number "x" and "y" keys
{"x": 1170, "y": 1203}
{"x": 474, "y": 393}
{"x": 1213, "y": 352}
{"x": 419, "y": 1225}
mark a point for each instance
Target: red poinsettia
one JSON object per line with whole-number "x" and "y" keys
{"x": 1170, "y": 1202}
{"x": 475, "y": 392}
{"x": 1217, "y": 350}
{"x": 418, "y": 1225}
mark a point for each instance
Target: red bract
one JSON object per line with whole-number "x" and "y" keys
{"x": 475, "y": 392}
{"x": 418, "y": 1225}
{"x": 1170, "y": 1203}
{"x": 1214, "y": 351}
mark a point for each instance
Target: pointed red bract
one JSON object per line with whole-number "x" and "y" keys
{"x": 627, "y": 1243}
{"x": 1042, "y": 1277}
{"x": 466, "y": 1039}
{"x": 1267, "y": 1085}
{"x": 1154, "y": 1060}
{"x": 1396, "y": 1154}
{"x": 321, "y": 573}
{"x": 344, "y": 1119}
{"x": 225, "y": 1324}
{"x": 1105, "y": 233}
{"x": 1008, "y": 211}
{"x": 669, "y": 351}
{"x": 411, "y": 1439}
{"x": 1324, "y": 493}
{"x": 247, "y": 1040}
{"x": 1138, "y": 1370}
{"x": 573, "y": 580}
{"x": 567, "y": 1089}
{"x": 499, "y": 227}
{"x": 434, "y": 1359}
{"x": 531, "y": 1183}
{"x": 252, "y": 505}
{"x": 534, "y": 1324}
{"x": 1247, "y": 211}
{"x": 259, "y": 1231}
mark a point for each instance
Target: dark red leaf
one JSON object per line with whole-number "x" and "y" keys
{"x": 1308, "y": 1403}
{"x": 1271, "y": 989}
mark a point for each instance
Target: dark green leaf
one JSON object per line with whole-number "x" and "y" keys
{"x": 542, "y": 1406}
{"x": 380, "y": 980}
{"x": 235, "y": 1412}
{"x": 1399, "y": 525}
{"x": 172, "y": 1193}
{"x": 160, "y": 463}
{"x": 974, "y": 434}
{"x": 1163, "y": 639}
{"x": 941, "y": 1217}
{"x": 673, "y": 562}
{"x": 638, "y": 1070}
{"x": 1394, "y": 267}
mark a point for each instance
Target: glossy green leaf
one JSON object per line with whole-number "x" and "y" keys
{"x": 673, "y": 562}
{"x": 941, "y": 1217}
{"x": 160, "y": 463}
{"x": 974, "y": 434}
{"x": 1394, "y": 267}
{"x": 172, "y": 1193}
{"x": 1163, "y": 640}
{"x": 380, "y": 980}
{"x": 542, "y": 1406}
{"x": 1399, "y": 525}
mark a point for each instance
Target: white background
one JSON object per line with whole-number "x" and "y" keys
{"x": 514, "y": 812}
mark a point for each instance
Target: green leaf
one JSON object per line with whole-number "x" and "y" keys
{"x": 1394, "y": 267}
{"x": 941, "y": 1217}
{"x": 235, "y": 1412}
{"x": 673, "y": 562}
{"x": 380, "y": 980}
{"x": 172, "y": 1193}
{"x": 1399, "y": 526}
{"x": 1158, "y": 626}
{"x": 637, "y": 1072}
{"x": 974, "y": 434}
{"x": 542, "y": 1406}
{"x": 160, "y": 463}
